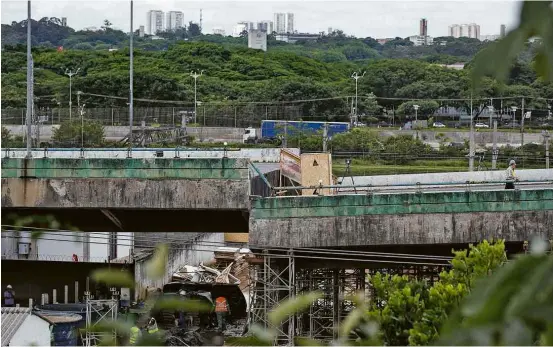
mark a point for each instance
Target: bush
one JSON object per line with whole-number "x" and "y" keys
{"x": 73, "y": 133}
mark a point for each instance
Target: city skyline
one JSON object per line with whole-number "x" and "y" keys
{"x": 376, "y": 19}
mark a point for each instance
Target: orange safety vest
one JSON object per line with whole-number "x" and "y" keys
{"x": 221, "y": 304}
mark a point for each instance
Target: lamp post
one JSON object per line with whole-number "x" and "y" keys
{"x": 131, "y": 76}
{"x": 546, "y": 136}
{"x": 356, "y": 77}
{"x": 195, "y": 76}
{"x": 416, "y": 107}
{"x": 28, "y": 119}
{"x": 514, "y": 109}
{"x": 70, "y": 73}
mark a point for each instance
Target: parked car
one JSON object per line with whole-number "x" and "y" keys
{"x": 438, "y": 125}
{"x": 481, "y": 125}
{"x": 511, "y": 125}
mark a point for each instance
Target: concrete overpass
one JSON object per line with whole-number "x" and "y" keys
{"x": 154, "y": 194}
{"x": 416, "y": 218}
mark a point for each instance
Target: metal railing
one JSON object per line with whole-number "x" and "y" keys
{"x": 64, "y": 258}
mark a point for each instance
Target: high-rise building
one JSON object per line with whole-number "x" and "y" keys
{"x": 154, "y": 22}
{"x": 290, "y": 23}
{"x": 280, "y": 23}
{"x": 175, "y": 20}
{"x": 266, "y": 25}
{"x": 141, "y": 31}
{"x": 239, "y": 29}
{"x": 465, "y": 30}
{"x": 63, "y": 21}
{"x": 502, "y": 30}
{"x": 423, "y": 27}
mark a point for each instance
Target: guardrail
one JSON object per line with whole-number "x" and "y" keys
{"x": 371, "y": 188}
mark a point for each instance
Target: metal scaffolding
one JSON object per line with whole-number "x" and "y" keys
{"x": 106, "y": 312}
{"x": 276, "y": 277}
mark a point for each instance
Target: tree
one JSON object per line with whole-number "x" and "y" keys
{"x": 426, "y": 108}
{"x": 107, "y": 24}
{"x": 412, "y": 312}
{"x": 73, "y": 134}
{"x": 194, "y": 29}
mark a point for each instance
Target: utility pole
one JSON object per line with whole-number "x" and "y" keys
{"x": 471, "y": 138}
{"x": 495, "y": 151}
{"x": 195, "y": 76}
{"x": 356, "y": 77}
{"x": 522, "y": 125}
{"x": 325, "y": 136}
{"x": 546, "y": 137}
{"x": 70, "y": 73}
{"x": 29, "y": 81}
{"x": 416, "y": 126}
{"x": 131, "y": 74}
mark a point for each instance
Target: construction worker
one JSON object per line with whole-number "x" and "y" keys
{"x": 9, "y": 297}
{"x": 135, "y": 333}
{"x": 510, "y": 175}
{"x": 152, "y": 326}
{"x": 221, "y": 311}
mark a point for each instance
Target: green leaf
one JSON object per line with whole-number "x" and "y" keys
{"x": 292, "y": 306}
{"x": 188, "y": 305}
{"x": 155, "y": 268}
{"x": 352, "y": 320}
{"x": 113, "y": 278}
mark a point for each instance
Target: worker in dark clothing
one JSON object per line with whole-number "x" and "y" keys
{"x": 9, "y": 297}
{"x": 221, "y": 311}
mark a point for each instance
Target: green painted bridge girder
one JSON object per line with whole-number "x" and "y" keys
{"x": 150, "y": 168}
{"x": 403, "y": 203}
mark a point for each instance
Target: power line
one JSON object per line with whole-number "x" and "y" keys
{"x": 310, "y": 250}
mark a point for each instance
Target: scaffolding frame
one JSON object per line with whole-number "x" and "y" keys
{"x": 276, "y": 277}
{"x": 92, "y": 338}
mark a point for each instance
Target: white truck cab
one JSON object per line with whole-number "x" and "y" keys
{"x": 250, "y": 135}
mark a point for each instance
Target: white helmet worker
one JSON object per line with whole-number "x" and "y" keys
{"x": 9, "y": 286}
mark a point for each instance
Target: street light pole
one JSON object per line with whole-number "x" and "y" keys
{"x": 471, "y": 138}
{"x": 356, "y": 77}
{"x": 416, "y": 107}
{"x": 70, "y": 73}
{"x": 29, "y": 81}
{"x": 131, "y": 73}
{"x": 195, "y": 76}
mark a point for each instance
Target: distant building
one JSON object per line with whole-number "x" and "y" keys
{"x": 141, "y": 31}
{"x": 266, "y": 25}
{"x": 154, "y": 22}
{"x": 284, "y": 23}
{"x": 175, "y": 20}
{"x": 502, "y": 30}
{"x": 238, "y": 29}
{"x": 465, "y": 30}
{"x": 257, "y": 39}
{"x": 419, "y": 40}
{"x": 489, "y": 37}
{"x": 423, "y": 27}
{"x": 63, "y": 21}
{"x": 290, "y": 23}
{"x": 90, "y": 29}
{"x": 218, "y": 31}
{"x": 383, "y": 41}
{"x": 292, "y": 38}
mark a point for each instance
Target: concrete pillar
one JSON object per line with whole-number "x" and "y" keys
{"x": 76, "y": 292}
{"x": 42, "y": 299}
{"x": 54, "y": 296}
{"x": 494, "y": 147}
{"x": 66, "y": 294}
{"x": 30, "y": 303}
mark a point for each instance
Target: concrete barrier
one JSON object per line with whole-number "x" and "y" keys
{"x": 261, "y": 155}
{"x": 448, "y": 177}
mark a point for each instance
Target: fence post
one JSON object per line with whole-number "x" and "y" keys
{"x": 235, "y": 117}
{"x": 76, "y": 292}
{"x": 54, "y": 296}
{"x": 66, "y": 294}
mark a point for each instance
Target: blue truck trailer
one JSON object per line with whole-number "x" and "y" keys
{"x": 272, "y": 130}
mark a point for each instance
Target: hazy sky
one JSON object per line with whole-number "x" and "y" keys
{"x": 377, "y": 19}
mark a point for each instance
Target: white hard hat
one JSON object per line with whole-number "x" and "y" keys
{"x": 9, "y": 286}
{"x": 512, "y": 162}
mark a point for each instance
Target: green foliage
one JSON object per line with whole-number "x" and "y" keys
{"x": 512, "y": 307}
{"x": 426, "y": 108}
{"x": 73, "y": 133}
{"x": 412, "y": 312}
{"x": 536, "y": 20}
